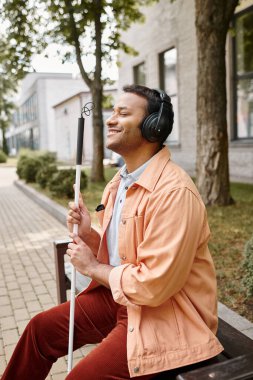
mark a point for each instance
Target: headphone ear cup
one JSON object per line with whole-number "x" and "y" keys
{"x": 148, "y": 129}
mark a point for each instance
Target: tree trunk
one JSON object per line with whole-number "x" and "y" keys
{"x": 96, "y": 88}
{"x": 97, "y": 170}
{"x": 212, "y": 167}
{"x": 5, "y": 145}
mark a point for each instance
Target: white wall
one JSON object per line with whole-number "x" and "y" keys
{"x": 168, "y": 25}
{"x": 66, "y": 122}
{"x": 51, "y": 92}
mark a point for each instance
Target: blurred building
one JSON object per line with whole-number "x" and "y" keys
{"x": 67, "y": 113}
{"x": 167, "y": 59}
{"x": 34, "y": 120}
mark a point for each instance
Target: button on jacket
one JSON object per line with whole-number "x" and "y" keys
{"x": 166, "y": 278}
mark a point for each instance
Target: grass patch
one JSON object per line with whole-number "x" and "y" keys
{"x": 231, "y": 228}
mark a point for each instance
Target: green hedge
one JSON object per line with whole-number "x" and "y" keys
{"x": 248, "y": 267}
{"x": 44, "y": 174}
{"x": 40, "y": 167}
{"x": 3, "y": 157}
{"x": 61, "y": 183}
{"x": 31, "y": 162}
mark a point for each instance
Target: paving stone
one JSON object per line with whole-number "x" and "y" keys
{"x": 59, "y": 376}
{"x": 13, "y": 294}
{"x": 33, "y": 306}
{"x": 30, "y": 296}
{"x": 3, "y": 291}
{"x": 1, "y": 347}
{"x": 22, "y": 325}
{"x": 41, "y": 289}
{"x": 21, "y": 314}
{"x": 5, "y": 311}
{"x": 8, "y": 351}
{"x": 46, "y": 276}
{"x": 10, "y": 337}
{"x": 18, "y": 303}
{"x": 26, "y": 287}
{"x": 45, "y": 299}
{"x": 8, "y": 323}
{"x": 48, "y": 306}
{"x": 59, "y": 366}
{"x": 36, "y": 283}
{"x": 4, "y": 300}
{"x": 2, "y": 364}
{"x": 88, "y": 348}
{"x": 12, "y": 285}
{"x": 23, "y": 280}
{"x": 10, "y": 277}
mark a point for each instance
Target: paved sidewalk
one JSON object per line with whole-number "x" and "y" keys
{"x": 27, "y": 272}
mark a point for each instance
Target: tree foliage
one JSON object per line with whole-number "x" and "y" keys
{"x": 8, "y": 86}
{"x": 88, "y": 28}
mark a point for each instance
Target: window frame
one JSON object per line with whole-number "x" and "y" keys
{"x": 162, "y": 87}
{"x": 135, "y": 73}
{"x": 235, "y": 78}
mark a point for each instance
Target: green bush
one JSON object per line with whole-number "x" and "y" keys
{"x": 61, "y": 183}
{"x": 23, "y": 156}
{"x": 248, "y": 267}
{"x": 31, "y": 161}
{"x": 30, "y": 168}
{"x": 47, "y": 157}
{"x": 3, "y": 157}
{"x": 45, "y": 173}
{"x": 20, "y": 166}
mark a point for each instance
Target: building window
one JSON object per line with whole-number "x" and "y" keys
{"x": 168, "y": 83}
{"x": 243, "y": 75}
{"x": 27, "y": 112}
{"x": 140, "y": 74}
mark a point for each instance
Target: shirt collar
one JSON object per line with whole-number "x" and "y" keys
{"x": 149, "y": 178}
{"x": 135, "y": 174}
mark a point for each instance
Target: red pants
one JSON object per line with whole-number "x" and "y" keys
{"x": 98, "y": 319}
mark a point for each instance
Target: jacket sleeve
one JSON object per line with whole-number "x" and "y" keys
{"x": 175, "y": 228}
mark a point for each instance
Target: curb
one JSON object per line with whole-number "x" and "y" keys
{"x": 59, "y": 212}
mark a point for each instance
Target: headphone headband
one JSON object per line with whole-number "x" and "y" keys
{"x": 158, "y": 125}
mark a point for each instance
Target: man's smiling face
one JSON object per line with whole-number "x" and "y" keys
{"x": 123, "y": 126}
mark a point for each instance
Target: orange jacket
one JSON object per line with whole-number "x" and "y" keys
{"x": 167, "y": 278}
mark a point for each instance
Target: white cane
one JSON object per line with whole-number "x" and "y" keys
{"x": 79, "y": 152}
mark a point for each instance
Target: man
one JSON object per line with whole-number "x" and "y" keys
{"x": 152, "y": 303}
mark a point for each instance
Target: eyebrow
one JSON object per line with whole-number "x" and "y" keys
{"x": 120, "y": 107}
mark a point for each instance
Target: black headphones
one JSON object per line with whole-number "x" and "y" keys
{"x": 158, "y": 125}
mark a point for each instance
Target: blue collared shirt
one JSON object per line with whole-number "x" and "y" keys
{"x": 127, "y": 180}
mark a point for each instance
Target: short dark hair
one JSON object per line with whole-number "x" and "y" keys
{"x": 153, "y": 102}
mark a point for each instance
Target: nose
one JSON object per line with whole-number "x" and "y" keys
{"x": 112, "y": 120}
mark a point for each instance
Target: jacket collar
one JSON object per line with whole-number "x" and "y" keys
{"x": 151, "y": 174}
